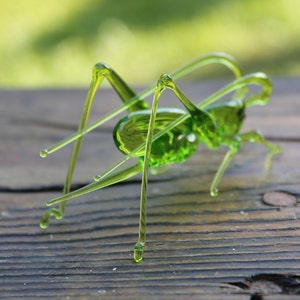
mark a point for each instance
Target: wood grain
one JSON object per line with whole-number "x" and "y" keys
{"x": 198, "y": 246}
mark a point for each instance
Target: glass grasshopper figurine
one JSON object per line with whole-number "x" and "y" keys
{"x": 162, "y": 136}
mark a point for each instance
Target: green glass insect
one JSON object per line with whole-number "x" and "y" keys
{"x": 163, "y": 136}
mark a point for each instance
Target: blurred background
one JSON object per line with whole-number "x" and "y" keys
{"x": 54, "y": 43}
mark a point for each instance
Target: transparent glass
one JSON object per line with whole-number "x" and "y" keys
{"x": 162, "y": 136}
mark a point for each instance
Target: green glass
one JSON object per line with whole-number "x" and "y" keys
{"x": 157, "y": 136}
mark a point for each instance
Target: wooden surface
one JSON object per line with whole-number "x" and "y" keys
{"x": 198, "y": 247}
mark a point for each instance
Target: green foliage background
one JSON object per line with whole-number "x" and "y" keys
{"x": 56, "y": 42}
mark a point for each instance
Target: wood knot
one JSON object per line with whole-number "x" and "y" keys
{"x": 280, "y": 198}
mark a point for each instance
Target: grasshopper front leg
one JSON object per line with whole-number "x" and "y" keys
{"x": 126, "y": 94}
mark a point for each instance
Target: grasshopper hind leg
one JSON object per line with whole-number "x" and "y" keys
{"x": 234, "y": 145}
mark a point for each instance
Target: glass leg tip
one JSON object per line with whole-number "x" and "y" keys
{"x": 44, "y": 223}
{"x": 214, "y": 192}
{"x": 138, "y": 252}
{"x": 56, "y": 213}
{"x": 44, "y": 153}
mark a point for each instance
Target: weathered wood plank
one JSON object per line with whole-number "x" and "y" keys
{"x": 198, "y": 246}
